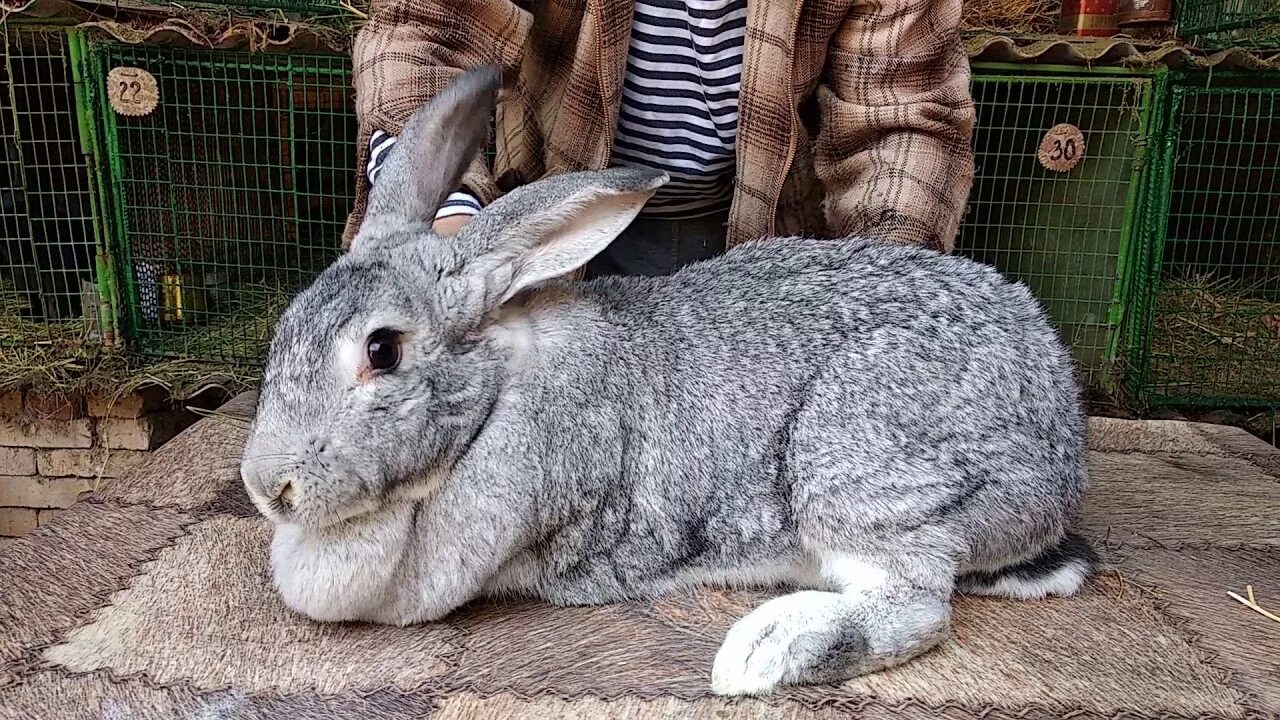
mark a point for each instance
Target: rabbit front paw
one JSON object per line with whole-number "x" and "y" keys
{"x": 793, "y": 639}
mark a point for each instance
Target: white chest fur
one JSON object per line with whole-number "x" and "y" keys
{"x": 353, "y": 571}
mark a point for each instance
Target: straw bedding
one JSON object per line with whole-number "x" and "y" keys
{"x": 1218, "y": 339}
{"x": 62, "y": 357}
{"x": 1011, "y": 16}
{"x": 153, "y": 599}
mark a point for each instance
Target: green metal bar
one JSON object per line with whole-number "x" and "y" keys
{"x": 1156, "y": 183}
{"x": 108, "y": 304}
{"x": 110, "y": 291}
{"x": 1129, "y": 234}
{"x": 103, "y": 193}
{"x": 104, "y": 304}
{"x": 1160, "y": 227}
{"x": 75, "y": 54}
{"x": 100, "y": 193}
{"x": 1152, "y": 221}
{"x": 120, "y": 218}
{"x": 1216, "y": 81}
{"x": 1024, "y": 71}
{"x": 259, "y": 64}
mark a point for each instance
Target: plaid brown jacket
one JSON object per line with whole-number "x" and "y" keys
{"x": 854, "y": 117}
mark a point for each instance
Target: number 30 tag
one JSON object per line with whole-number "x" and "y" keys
{"x": 1062, "y": 148}
{"x": 132, "y": 91}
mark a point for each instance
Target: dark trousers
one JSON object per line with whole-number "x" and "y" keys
{"x": 652, "y": 246}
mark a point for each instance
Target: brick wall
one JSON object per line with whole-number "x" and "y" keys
{"x": 54, "y": 449}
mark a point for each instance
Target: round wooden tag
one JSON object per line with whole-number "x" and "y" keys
{"x": 132, "y": 91}
{"x": 1062, "y": 148}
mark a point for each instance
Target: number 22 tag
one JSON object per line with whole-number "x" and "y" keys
{"x": 132, "y": 91}
{"x": 1062, "y": 148}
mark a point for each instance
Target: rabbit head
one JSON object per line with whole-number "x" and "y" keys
{"x": 381, "y": 373}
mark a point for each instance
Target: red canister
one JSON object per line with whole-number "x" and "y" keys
{"x": 1088, "y": 18}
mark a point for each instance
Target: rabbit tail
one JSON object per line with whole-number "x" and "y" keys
{"x": 1062, "y": 569}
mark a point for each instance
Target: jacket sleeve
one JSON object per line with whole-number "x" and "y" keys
{"x": 894, "y": 150}
{"x": 407, "y": 52}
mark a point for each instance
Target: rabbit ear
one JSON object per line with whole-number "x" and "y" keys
{"x": 552, "y": 227}
{"x": 430, "y": 156}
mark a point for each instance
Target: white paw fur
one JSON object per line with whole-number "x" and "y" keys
{"x": 757, "y": 654}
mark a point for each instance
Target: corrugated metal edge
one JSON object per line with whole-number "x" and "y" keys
{"x": 250, "y": 32}
{"x": 250, "y": 36}
{"x": 1115, "y": 51}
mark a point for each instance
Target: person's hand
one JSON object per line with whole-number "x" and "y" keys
{"x": 450, "y": 225}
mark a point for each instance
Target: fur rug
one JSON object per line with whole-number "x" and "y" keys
{"x": 152, "y": 600}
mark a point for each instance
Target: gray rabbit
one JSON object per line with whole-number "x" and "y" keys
{"x": 873, "y": 426}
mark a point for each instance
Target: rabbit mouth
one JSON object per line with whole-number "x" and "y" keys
{"x": 329, "y": 516}
{"x": 289, "y": 506}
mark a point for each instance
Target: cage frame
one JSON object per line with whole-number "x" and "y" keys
{"x": 1210, "y": 24}
{"x": 1133, "y": 235}
{"x": 120, "y": 226}
{"x": 1140, "y": 384}
{"x": 83, "y": 103}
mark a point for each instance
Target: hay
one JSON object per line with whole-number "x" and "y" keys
{"x": 239, "y": 329}
{"x": 1216, "y": 338}
{"x": 65, "y": 358}
{"x": 1012, "y": 16}
{"x": 205, "y": 24}
{"x": 1252, "y": 604}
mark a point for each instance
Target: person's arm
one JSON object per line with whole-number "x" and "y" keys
{"x": 894, "y": 149}
{"x": 410, "y": 50}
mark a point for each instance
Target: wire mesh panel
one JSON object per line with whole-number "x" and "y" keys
{"x": 1225, "y": 23}
{"x": 48, "y": 288}
{"x": 230, "y": 195}
{"x": 1213, "y": 337}
{"x": 1066, "y": 234}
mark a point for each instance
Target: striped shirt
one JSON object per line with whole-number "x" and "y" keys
{"x": 679, "y": 110}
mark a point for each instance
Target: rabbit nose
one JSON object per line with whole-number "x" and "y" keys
{"x": 287, "y": 495}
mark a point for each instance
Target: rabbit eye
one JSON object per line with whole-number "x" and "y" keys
{"x": 383, "y": 349}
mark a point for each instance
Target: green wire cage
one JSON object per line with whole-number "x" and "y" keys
{"x": 229, "y": 196}
{"x": 49, "y": 220}
{"x": 1211, "y": 331}
{"x": 1218, "y": 24}
{"x": 1070, "y": 236}
{"x": 1155, "y": 255}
